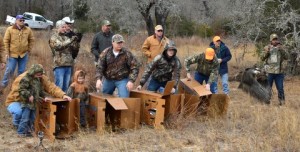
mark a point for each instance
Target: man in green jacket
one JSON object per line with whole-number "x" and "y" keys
{"x": 274, "y": 56}
{"x": 28, "y": 89}
{"x": 207, "y": 68}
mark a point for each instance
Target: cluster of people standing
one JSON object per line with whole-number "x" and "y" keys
{"x": 116, "y": 67}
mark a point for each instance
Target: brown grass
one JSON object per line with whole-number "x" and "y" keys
{"x": 248, "y": 126}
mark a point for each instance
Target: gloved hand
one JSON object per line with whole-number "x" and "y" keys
{"x": 173, "y": 90}
{"x": 139, "y": 87}
{"x": 188, "y": 76}
{"x": 74, "y": 38}
{"x": 207, "y": 86}
{"x": 79, "y": 35}
{"x": 219, "y": 60}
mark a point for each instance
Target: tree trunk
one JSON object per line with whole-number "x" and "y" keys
{"x": 145, "y": 11}
{"x": 161, "y": 14}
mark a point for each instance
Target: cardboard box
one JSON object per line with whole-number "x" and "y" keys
{"x": 153, "y": 105}
{"x": 122, "y": 112}
{"x": 199, "y": 100}
{"x": 57, "y": 118}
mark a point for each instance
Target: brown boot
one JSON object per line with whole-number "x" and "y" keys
{"x": 1, "y": 89}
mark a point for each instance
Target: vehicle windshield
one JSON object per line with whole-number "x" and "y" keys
{"x": 27, "y": 16}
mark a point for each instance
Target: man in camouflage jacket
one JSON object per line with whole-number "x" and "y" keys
{"x": 207, "y": 68}
{"x": 28, "y": 89}
{"x": 62, "y": 47}
{"x": 118, "y": 67}
{"x": 163, "y": 68}
{"x": 274, "y": 56}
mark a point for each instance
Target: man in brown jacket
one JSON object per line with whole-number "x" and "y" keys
{"x": 18, "y": 42}
{"x": 28, "y": 89}
{"x": 154, "y": 44}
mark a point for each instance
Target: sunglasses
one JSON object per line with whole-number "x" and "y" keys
{"x": 159, "y": 30}
{"x": 22, "y": 20}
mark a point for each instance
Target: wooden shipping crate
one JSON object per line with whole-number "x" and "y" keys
{"x": 122, "y": 112}
{"x": 153, "y": 105}
{"x": 57, "y": 118}
{"x": 199, "y": 100}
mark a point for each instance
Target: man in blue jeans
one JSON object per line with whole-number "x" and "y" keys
{"x": 28, "y": 89}
{"x": 62, "y": 47}
{"x": 117, "y": 68}
{"x": 206, "y": 70}
{"x": 18, "y": 42}
{"x": 274, "y": 56}
{"x": 223, "y": 54}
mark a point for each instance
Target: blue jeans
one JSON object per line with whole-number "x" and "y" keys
{"x": 154, "y": 85}
{"x": 225, "y": 84}
{"x": 62, "y": 77}
{"x": 82, "y": 113}
{"x": 278, "y": 78}
{"x": 27, "y": 121}
{"x": 109, "y": 87}
{"x": 200, "y": 78}
{"x": 15, "y": 109}
{"x": 11, "y": 66}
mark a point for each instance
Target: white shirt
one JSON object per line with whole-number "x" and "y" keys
{"x": 116, "y": 53}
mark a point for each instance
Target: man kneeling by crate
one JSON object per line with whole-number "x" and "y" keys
{"x": 28, "y": 89}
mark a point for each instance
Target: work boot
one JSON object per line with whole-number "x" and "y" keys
{"x": 281, "y": 102}
{"x": 2, "y": 87}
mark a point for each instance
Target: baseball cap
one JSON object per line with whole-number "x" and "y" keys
{"x": 105, "y": 22}
{"x": 273, "y": 36}
{"x": 209, "y": 53}
{"x": 60, "y": 23}
{"x": 19, "y": 17}
{"x": 216, "y": 38}
{"x": 117, "y": 38}
{"x": 158, "y": 27}
{"x": 68, "y": 20}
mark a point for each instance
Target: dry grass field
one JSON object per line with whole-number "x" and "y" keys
{"x": 248, "y": 126}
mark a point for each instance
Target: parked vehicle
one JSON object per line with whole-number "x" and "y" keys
{"x": 32, "y": 20}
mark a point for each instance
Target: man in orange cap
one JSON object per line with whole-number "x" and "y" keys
{"x": 207, "y": 68}
{"x": 223, "y": 55}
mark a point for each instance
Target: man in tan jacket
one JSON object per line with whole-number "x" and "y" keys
{"x": 18, "y": 42}
{"x": 154, "y": 44}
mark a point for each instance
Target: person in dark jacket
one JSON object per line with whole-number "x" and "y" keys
{"x": 163, "y": 68}
{"x": 102, "y": 39}
{"x": 223, "y": 54}
{"x": 117, "y": 68}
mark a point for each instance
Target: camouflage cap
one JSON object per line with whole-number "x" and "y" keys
{"x": 36, "y": 68}
{"x": 105, "y": 22}
{"x": 117, "y": 38}
{"x": 170, "y": 45}
{"x": 273, "y": 36}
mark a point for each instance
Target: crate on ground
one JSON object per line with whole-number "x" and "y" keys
{"x": 57, "y": 118}
{"x": 118, "y": 112}
{"x": 199, "y": 100}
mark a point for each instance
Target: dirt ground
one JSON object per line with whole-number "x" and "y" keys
{"x": 244, "y": 122}
{"x": 248, "y": 125}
